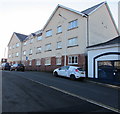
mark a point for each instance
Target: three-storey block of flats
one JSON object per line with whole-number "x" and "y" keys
{"x": 63, "y": 39}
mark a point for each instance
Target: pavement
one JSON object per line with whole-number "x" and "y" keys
{"x": 105, "y": 83}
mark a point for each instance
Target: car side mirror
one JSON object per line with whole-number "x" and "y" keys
{"x": 59, "y": 68}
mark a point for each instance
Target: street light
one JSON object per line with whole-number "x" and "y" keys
{"x": 65, "y": 54}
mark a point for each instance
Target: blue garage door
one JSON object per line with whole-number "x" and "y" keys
{"x": 109, "y": 70}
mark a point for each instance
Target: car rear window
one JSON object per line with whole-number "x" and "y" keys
{"x": 80, "y": 69}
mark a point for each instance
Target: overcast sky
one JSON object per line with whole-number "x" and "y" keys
{"x": 28, "y": 16}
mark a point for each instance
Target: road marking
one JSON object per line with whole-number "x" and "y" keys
{"x": 74, "y": 95}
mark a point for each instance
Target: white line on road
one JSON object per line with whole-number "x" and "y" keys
{"x": 74, "y": 95}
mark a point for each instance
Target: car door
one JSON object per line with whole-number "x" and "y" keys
{"x": 63, "y": 71}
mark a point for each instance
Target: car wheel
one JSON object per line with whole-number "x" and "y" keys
{"x": 72, "y": 77}
{"x": 55, "y": 74}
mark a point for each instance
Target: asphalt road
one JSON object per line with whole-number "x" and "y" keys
{"x": 42, "y": 92}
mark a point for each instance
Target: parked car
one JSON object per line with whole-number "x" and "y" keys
{"x": 5, "y": 66}
{"x": 17, "y": 67}
{"x": 71, "y": 72}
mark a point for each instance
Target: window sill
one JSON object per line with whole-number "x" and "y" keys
{"x": 48, "y": 36}
{"x": 58, "y": 33}
{"x": 47, "y": 64}
{"x": 72, "y": 46}
{"x": 58, "y": 48}
{"x": 38, "y": 52}
{"x": 48, "y": 50}
{"x": 72, "y": 28}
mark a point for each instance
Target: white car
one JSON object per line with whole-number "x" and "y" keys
{"x": 71, "y": 72}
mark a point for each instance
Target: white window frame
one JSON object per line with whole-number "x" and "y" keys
{"x": 39, "y": 38}
{"x": 24, "y": 52}
{"x": 47, "y": 61}
{"x": 73, "y": 41}
{"x": 38, "y": 50}
{"x": 48, "y": 47}
{"x": 72, "y": 60}
{"x": 59, "y": 45}
{"x": 17, "y": 44}
{"x": 73, "y": 24}
{"x": 59, "y": 29}
{"x": 31, "y": 40}
{"x": 58, "y": 61}
{"x": 38, "y": 62}
{"x": 30, "y": 62}
{"x": 49, "y": 33}
{"x": 16, "y": 54}
{"x": 30, "y": 51}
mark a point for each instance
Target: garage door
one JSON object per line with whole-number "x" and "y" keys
{"x": 109, "y": 70}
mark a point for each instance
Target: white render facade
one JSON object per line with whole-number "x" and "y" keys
{"x": 65, "y": 36}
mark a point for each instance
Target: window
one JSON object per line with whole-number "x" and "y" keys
{"x": 30, "y": 52}
{"x": 10, "y": 47}
{"x": 31, "y": 41}
{"x": 38, "y": 50}
{"x": 73, "y": 41}
{"x": 17, "y": 44}
{"x": 73, "y": 60}
{"x": 59, "y": 29}
{"x": 13, "y": 46}
{"x": 39, "y": 38}
{"x": 17, "y": 54}
{"x": 48, "y": 47}
{"x": 30, "y": 63}
{"x": 24, "y": 52}
{"x": 25, "y": 43}
{"x": 48, "y": 33}
{"x": 73, "y": 24}
{"x": 37, "y": 62}
{"x": 58, "y": 61}
{"x": 9, "y": 56}
{"x": 47, "y": 61}
{"x": 59, "y": 45}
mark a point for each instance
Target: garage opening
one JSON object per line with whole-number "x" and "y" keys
{"x": 109, "y": 70}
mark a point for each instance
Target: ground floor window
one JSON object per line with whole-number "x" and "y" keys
{"x": 30, "y": 63}
{"x": 73, "y": 60}
{"x": 37, "y": 62}
{"x": 58, "y": 61}
{"x": 47, "y": 61}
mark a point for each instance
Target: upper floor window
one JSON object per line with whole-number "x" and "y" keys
{"x": 38, "y": 49}
{"x": 73, "y": 41}
{"x": 39, "y": 37}
{"x": 25, "y": 43}
{"x": 17, "y": 44}
{"x": 59, "y": 29}
{"x": 31, "y": 41}
{"x": 48, "y": 33}
{"x": 9, "y": 56}
{"x": 59, "y": 45}
{"x": 10, "y": 47}
{"x": 24, "y": 52}
{"x": 13, "y": 46}
{"x": 48, "y": 47}
{"x": 73, "y": 24}
{"x": 30, "y": 52}
{"x": 17, "y": 54}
